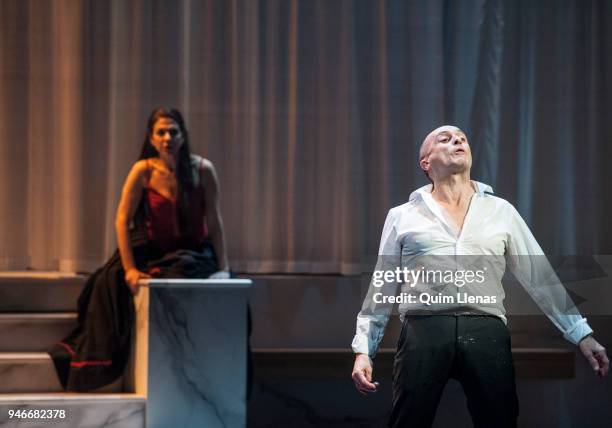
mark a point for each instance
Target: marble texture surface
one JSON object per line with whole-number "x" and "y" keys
{"x": 33, "y": 372}
{"x": 34, "y": 332}
{"x": 80, "y": 412}
{"x": 27, "y": 372}
{"x": 39, "y": 291}
{"x": 197, "y": 353}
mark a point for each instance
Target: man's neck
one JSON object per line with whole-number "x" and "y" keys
{"x": 453, "y": 189}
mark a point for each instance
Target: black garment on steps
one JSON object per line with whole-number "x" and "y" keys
{"x": 97, "y": 351}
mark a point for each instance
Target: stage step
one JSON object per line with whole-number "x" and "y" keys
{"x": 27, "y": 372}
{"x": 329, "y": 363}
{"x": 34, "y": 332}
{"x": 82, "y": 410}
{"x": 39, "y": 291}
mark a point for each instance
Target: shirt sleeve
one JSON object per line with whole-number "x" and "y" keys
{"x": 530, "y": 266}
{"x": 373, "y": 317}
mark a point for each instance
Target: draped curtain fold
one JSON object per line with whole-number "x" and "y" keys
{"x": 312, "y": 111}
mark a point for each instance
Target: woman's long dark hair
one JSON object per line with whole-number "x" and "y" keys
{"x": 184, "y": 173}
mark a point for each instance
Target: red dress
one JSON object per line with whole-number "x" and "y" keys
{"x": 162, "y": 222}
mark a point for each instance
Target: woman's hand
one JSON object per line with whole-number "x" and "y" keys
{"x": 220, "y": 274}
{"x": 131, "y": 278}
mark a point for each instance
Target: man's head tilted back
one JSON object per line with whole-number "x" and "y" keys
{"x": 445, "y": 151}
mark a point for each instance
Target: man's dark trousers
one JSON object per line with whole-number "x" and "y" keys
{"x": 473, "y": 349}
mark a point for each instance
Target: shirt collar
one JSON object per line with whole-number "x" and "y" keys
{"x": 481, "y": 189}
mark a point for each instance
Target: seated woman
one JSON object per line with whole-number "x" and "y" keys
{"x": 168, "y": 224}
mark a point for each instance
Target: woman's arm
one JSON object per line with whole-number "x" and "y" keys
{"x": 213, "y": 212}
{"x": 130, "y": 198}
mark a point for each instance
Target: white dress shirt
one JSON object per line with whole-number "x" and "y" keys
{"x": 420, "y": 235}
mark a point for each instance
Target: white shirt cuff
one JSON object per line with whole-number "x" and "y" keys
{"x": 360, "y": 345}
{"x": 578, "y": 331}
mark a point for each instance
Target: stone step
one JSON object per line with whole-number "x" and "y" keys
{"x": 32, "y": 372}
{"x": 330, "y": 363}
{"x": 30, "y": 291}
{"x": 80, "y": 410}
{"x": 34, "y": 332}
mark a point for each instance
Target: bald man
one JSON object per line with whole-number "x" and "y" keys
{"x": 454, "y": 328}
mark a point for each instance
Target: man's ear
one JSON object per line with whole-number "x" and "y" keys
{"x": 424, "y": 163}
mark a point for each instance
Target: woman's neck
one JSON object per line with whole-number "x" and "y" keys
{"x": 168, "y": 163}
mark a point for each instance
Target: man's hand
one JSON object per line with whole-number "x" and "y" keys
{"x": 362, "y": 374}
{"x": 595, "y": 354}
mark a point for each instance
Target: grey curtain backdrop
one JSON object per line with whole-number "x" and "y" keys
{"x": 312, "y": 111}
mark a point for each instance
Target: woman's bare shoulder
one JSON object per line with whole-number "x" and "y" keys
{"x": 144, "y": 167}
{"x": 138, "y": 173}
{"x": 141, "y": 164}
{"x": 140, "y": 167}
{"x": 201, "y": 163}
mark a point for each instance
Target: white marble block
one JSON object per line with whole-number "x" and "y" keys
{"x": 72, "y": 410}
{"x": 197, "y": 353}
